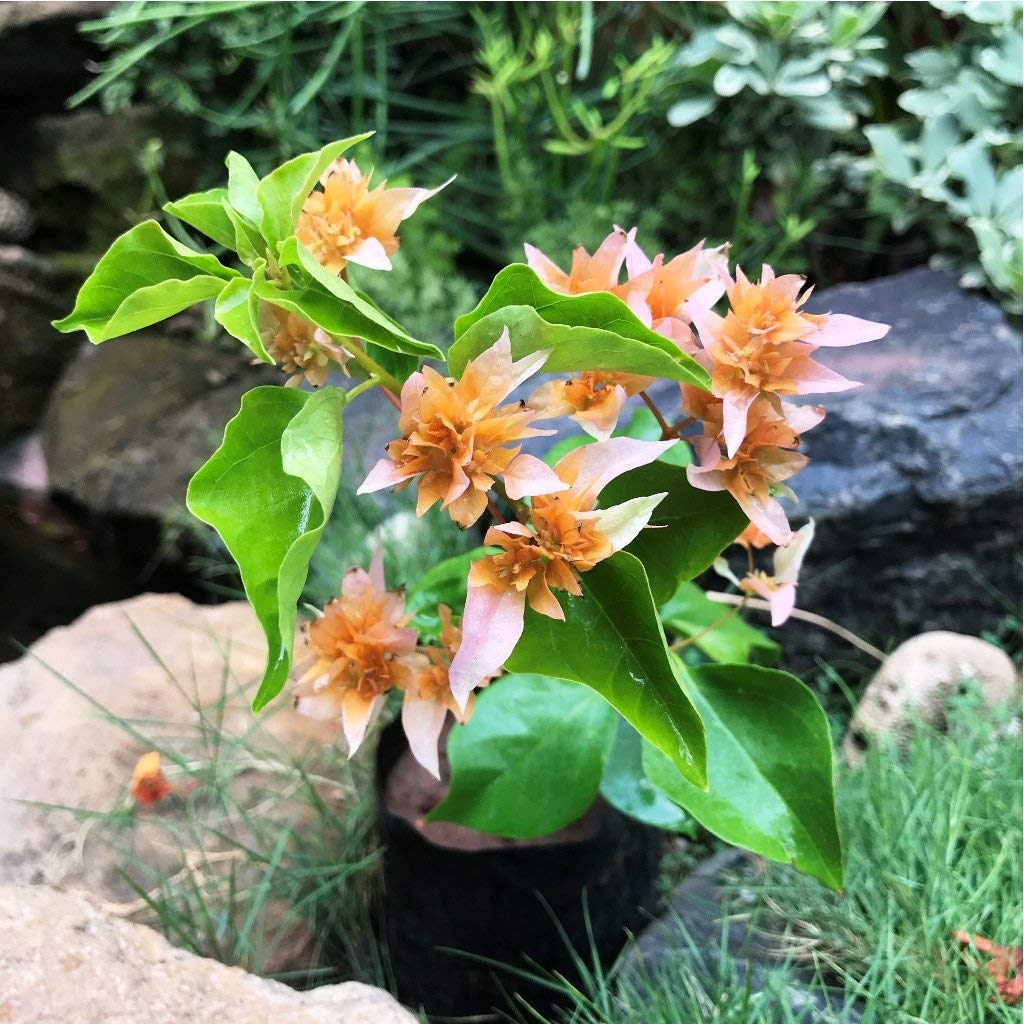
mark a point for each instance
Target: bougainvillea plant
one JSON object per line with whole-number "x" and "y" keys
{"x": 550, "y": 641}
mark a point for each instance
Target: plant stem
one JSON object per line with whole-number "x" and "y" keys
{"x": 666, "y": 430}
{"x": 373, "y": 368}
{"x": 711, "y": 627}
{"x": 812, "y": 617}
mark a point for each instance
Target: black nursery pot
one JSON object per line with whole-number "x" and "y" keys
{"x": 491, "y": 903}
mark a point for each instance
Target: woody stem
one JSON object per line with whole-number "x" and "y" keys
{"x": 813, "y": 618}
{"x": 666, "y": 430}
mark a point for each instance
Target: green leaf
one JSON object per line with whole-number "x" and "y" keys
{"x": 696, "y": 526}
{"x": 144, "y": 277}
{"x": 625, "y": 787}
{"x": 612, "y": 641}
{"x": 530, "y": 759}
{"x": 243, "y": 182}
{"x": 595, "y": 331}
{"x": 353, "y": 315}
{"x": 237, "y": 312}
{"x": 268, "y": 491}
{"x": 282, "y": 192}
{"x": 690, "y": 110}
{"x": 249, "y": 243}
{"x": 770, "y": 785}
{"x": 689, "y": 613}
{"x": 205, "y": 212}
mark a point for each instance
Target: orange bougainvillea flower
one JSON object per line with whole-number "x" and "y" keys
{"x": 663, "y": 294}
{"x": 362, "y": 649}
{"x": 298, "y": 346}
{"x": 597, "y": 273}
{"x": 428, "y": 695}
{"x": 593, "y": 399}
{"x": 348, "y": 222}
{"x": 149, "y": 784}
{"x": 766, "y": 456}
{"x": 358, "y": 644}
{"x": 566, "y": 536}
{"x": 458, "y": 439}
{"x": 764, "y": 344}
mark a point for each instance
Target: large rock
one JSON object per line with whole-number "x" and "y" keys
{"x": 132, "y": 420}
{"x": 153, "y": 662}
{"x": 34, "y": 353}
{"x": 62, "y": 959}
{"x": 915, "y": 478}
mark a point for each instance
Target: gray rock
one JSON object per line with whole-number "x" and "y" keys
{"x": 133, "y": 419}
{"x": 63, "y": 958}
{"x": 689, "y": 936}
{"x": 915, "y": 477}
{"x": 34, "y": 353}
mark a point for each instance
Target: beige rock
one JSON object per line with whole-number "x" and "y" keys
{"x": 154, "y": 660}
{"x": 918, "y": 678}
{"x": 63, "y": 960}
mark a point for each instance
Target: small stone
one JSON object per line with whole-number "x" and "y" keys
{"x": 919, "y": 677}
{"x": 63, "y": 958}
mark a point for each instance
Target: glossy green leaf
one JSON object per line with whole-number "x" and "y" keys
{"x": 205, "y": 212}
{"x": 599, "y": 331}
{"x": 237, "y": 312}
{"x": 573, "y": 348}
{"x": 338, "y": 308}
{"x": 770, "y": 785}
{"x": 144, "y": 277}
{"x": 243, "y": 182}
{"x": 530, "y": 759}
{"x": 625, "y": 786}
{"x": 689, "y": 613}
{"x": 282, "y": 192}
{"x": 268, "y": 491}
{"x": 695, "y": 526}
{"x": 612, "y": 640}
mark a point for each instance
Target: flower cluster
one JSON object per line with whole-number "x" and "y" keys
{"x": 344, "y": 222}
{"x": 760, "y": 351}
{"x": 462, "y": 438}
{"x": 362, "y": 649}
{"x": 663, "y": 296}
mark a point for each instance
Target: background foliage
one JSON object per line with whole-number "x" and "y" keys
{"x": 847, "y": 139}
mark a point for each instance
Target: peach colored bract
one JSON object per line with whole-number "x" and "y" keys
{"x": 348, "y": 222}
{"x": 457, "y": 439}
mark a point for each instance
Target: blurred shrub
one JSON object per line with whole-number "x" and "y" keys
{"x": 953, "y": 166}
{"x": 845, "y": 139}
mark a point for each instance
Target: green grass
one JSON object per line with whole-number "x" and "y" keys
{"x": 933, "y": 843}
